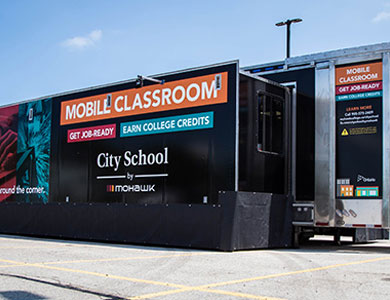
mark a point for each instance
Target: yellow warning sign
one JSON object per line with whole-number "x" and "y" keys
{"x": 345, "y": 132}
{"x": 363, "y": 130}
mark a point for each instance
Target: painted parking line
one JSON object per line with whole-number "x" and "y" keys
{"x": 208, "y": 288}
{"x": 178, "y": 288}
{"x": 38, "y": 265}
{"x": 238, "y": 294}
{"x": 213, "y": 291}
{"x": 11, "y": 263}
{"x": 295, "y": 272}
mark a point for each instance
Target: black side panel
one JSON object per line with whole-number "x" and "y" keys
{"x": 259, "y": 220}
{"x": 240, "y": 221}
{"x": 175, "y": 225}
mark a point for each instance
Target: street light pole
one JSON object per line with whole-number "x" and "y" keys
{"x": 288, "y": 24}
{"x": 288, "y": 39}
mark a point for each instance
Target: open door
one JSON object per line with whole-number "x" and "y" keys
{"x": 265, "y": 138}
{"x": 272, "y": 141}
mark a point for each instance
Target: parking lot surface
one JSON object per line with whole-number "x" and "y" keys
{"x": 34, "y": 269}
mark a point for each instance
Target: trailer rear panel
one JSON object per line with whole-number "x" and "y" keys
{"x": 347, "y": 140}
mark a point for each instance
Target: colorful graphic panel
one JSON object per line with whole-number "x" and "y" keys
{"x": 8, "y": 157}
{"x": 359, "y": 130}
{"x": 179, "y": 94}
{"x": 34, "y": 131}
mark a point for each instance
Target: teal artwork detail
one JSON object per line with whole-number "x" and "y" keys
{"x": 33, "y": 166}
{"x": 358, "y": 96}
{"x": 198, "y": 121}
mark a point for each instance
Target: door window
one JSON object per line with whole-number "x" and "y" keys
{"x": 270, "y": 126}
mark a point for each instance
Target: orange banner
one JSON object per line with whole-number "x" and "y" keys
{"x": 359, "y": 73}
{"x": 185, "y": 93}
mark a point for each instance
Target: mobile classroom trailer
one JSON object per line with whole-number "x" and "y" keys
{"x": 212, "y": 157}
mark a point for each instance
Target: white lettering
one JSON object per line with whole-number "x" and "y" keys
{"x": 166, "y": 93}
{"x": 117, "y": 108}
{"x": 137, "y": 102}
{"x": 89, "y": 109}
{"x": 70, "y": 112}
{"x": 81, "y": 114}
{"x": 147, "y": 99}
{"x": 197, "y": 92}
{"x": 206, "y": 93}
{"x": 101, "y": 164}
{"x": 156, "y": 98}
{"x": 174, "y": 96}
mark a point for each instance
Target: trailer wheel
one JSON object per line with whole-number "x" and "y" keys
{"x": 336, "y": 238}
{"x": 297, "y": 234}
{"x": 301, "y": 236}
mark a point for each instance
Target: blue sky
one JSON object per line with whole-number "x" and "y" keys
{"x": 49, "y": 47}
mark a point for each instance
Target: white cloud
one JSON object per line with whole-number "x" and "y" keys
{"x": 82, "y": 42}
{"x": 382, "y": 16}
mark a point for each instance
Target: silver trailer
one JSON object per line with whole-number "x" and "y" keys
{"x": 341, "y": 157}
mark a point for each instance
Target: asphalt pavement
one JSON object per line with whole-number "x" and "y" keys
{"x": 37, "y": 269}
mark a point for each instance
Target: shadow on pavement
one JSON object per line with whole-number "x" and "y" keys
{"x": 20, "y": 295}
{"x": 329, "y": 246}
{"x": 23, "y": 295}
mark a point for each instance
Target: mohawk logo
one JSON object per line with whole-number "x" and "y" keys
{"x": 110, "y": 188}
{"x": 135, "y": 188}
